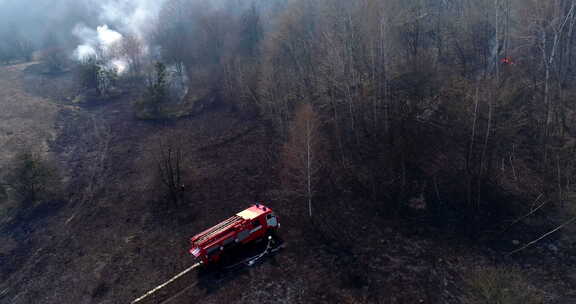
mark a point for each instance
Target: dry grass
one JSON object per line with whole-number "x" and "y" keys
{"x": 26, "y": 122}
{"x": 500, "y": 285}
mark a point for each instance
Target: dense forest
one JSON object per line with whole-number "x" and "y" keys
{"x": 466, "y": 103}
{"x": 451, "y": 116}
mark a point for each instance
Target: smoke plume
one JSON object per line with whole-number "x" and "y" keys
{"x": 126, "y": 17}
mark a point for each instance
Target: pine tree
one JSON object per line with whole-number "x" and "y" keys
{"x": 32, "y": 178}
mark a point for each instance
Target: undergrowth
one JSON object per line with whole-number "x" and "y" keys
{"x": 500, "y": 285}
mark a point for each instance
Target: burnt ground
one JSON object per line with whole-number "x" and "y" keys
{"x": 114, "y": 237}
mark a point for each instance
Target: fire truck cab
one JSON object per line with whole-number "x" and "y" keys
{"x": 251, "y": 224}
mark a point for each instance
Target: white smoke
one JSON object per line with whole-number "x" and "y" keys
{"x": 97, "y": 43}
{"x": 107, "y": 37}
{"x": 102, "y": 39}
{"x": 84, "y": 51}
{"x": 131, "y": 17}
{"x": 121, "y": 65}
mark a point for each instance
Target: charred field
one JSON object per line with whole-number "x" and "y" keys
{"x": 414, "y": 151}
{"x": 113, "y": 236}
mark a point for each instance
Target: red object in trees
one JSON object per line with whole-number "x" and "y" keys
{"x": 507, "y": 60}
{"x": 249, "y": 225}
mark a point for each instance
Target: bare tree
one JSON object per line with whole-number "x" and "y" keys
{"x": 289, "y": 71}
{"x": 302, "y": 154}
{"x": 169, "y": 161}
{"x": 3, "y": 192}
{"x": 173, "y": 32}
{"x": 133, "y": 49}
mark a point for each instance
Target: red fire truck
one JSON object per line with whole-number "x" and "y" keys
{"x": 254, "y": 223}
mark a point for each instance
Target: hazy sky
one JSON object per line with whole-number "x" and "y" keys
{"x": 34, "y": 19}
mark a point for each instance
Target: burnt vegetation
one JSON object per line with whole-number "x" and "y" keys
{"x": 447, "y": 118}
